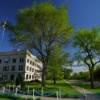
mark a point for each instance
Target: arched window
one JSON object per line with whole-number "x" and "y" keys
{"x": 27, "y": 76}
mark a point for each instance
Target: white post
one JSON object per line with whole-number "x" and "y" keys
{"x": 57, "y": 95}
{"x": 16, "y": 91}
{"x": 84, "y": 92}
{"x": 42, "y": 93}
{"x": 3, "y": 90}
{"x": 33, "y": 94}
{"x": 9, "y": 88}
{"x": 28, "y": 90}
{"x": 13, "y": 88}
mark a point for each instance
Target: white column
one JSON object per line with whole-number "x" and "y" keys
{"x": 16, "y": 91}
{"x": 3, "y": 90}
{"x": 33, "y": 94}
{"x": 13, "y": 88}
{"x": 28, "y": 90}
{"x": 9, "y": 88}
{"x": 57, "y": 95}
{"x": 42, "y": 93}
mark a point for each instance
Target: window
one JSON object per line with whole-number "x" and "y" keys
{"x": 30, "y": 77}
{"x": 27, "y": 76}
{"x": 12, "y": 77}
{"x": 13, "y": 68}
{"x": 33, "y": 63}
{"x": 32, "y": 69}
{"x": 5, "y": 77}
{"x": 6, "y": 60}
{"x": 27, "y": 60}
{"x": 30, "y": 62}
{"x": 20, "y": 67}
{"x": 21, "y": 60}
{"x": 6, "y": 68}
{"x": 14, "y": 60}
{"x": 0, "y": 61}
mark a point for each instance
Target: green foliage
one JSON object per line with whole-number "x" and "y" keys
{"x": 20, "y": 80}
{"x": 87, "y": 86}
{"x": 81, "y": 76}
{"x": 37, "y": 23}
{"x": 97, "y": 74}
{"x": 57, "y": 59}
{"x": 66, "y": 89}
{"x": 12, "y": 97}
{"x": 89, "y": 49}
{"x": 88, "y": 41}
{"x": 67, "y": 73}
{"x": 40, "y": 27}
{"x": 38, "y": 99}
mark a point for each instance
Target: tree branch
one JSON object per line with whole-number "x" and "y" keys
{"x": 97, "y": 62}
{"x": 85, "y": 60}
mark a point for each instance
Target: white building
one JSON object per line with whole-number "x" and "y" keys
{"x": 23, "y": 62}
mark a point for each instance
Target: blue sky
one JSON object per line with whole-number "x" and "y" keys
{"x": 82, "y": 13}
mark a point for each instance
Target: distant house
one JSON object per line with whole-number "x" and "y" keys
{"x": 23, "y": 62}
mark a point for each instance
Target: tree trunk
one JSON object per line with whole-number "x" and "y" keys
{"x": 43, "y": 79}
{"x": 54, "y": 80}
{"x": 91, "y": 78}
{"x": 43, "y": 75}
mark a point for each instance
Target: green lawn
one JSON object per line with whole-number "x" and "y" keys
{"x": 87, "y": 86}
{"x": 4, "y": 99}
{"x": 12, "y": 97}
{"x": 65, "y": 89}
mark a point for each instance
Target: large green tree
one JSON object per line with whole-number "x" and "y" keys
{"x": 40, "y": 27}
{"x": 88, "y": 42}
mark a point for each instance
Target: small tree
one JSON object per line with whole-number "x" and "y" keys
{"x": 57, "y": 60}
{"x": 88, "y": 43}
{"x": 55, "y": 73}
{"x": 67, "y": 73}
{"x": 19, "y": 80}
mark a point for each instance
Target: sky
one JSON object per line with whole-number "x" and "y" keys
{"x": 82, "y": 14}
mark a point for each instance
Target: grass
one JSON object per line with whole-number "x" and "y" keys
{"x": 65, "y": 89}
{"x": 12, "y": 97}
{"x": 61, "y": 86}
{"x": 4, "y": 99}
{"x": 87, "y": 86}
